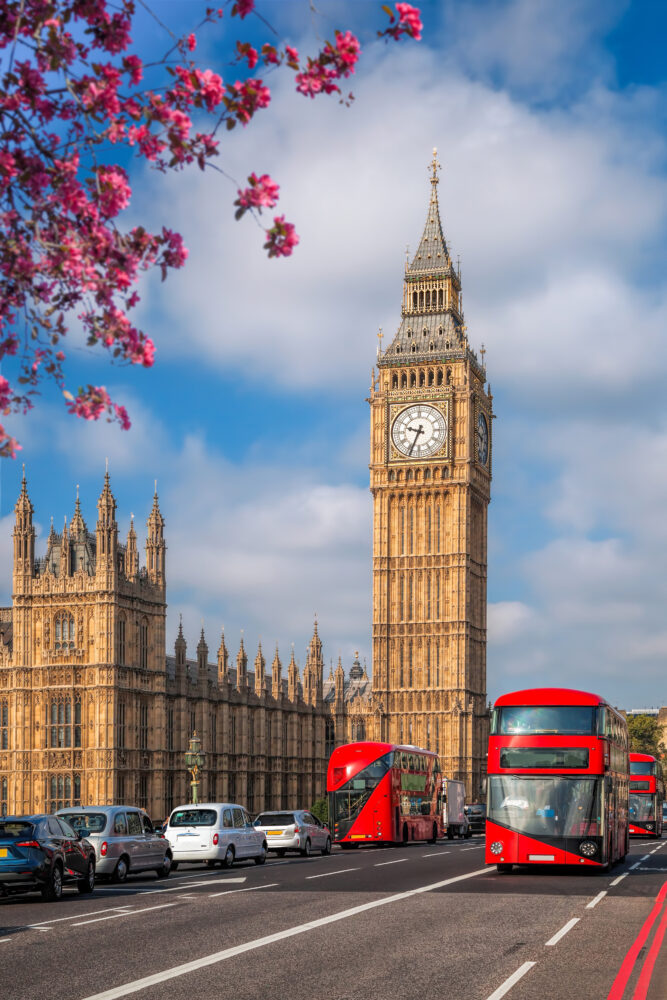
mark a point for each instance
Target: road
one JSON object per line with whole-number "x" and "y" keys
{"x": 419, "y": 921}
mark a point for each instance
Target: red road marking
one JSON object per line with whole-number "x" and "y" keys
{"x": 647, "y": 970}
{"x": 621, "y": 981}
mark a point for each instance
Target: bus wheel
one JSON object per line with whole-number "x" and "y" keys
{"x": 450, "y": 833}
{"x": 434, "y": 838}
{"x": 505, "y": 867}
{"x": 405, "y": 834}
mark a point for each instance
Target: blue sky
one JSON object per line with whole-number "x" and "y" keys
{"x": 550, "y": 124}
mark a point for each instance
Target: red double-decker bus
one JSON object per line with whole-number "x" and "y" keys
{"x": 381, "y": 793}
{"x": 647, "y": 792}
{"x": 557, "y": 780}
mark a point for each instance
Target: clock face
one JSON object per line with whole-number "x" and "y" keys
{"x": 482, "y": 439}
{"x": 419, "y": 431}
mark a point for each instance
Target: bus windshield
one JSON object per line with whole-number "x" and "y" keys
{"x": 539, "y": 807}
{"x": 642, "y": 767}
{"x": 349, "y": 800}
{"x": 536, "y": 720}
{"x": 640, "y": 808}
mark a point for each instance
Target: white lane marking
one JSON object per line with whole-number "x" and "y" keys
{"x": 252, "y": 888}
{"x": 435, "y": 855}
{"x": 129, "y": 913}
{"x": 74, "y": 916}
{"x": 176, "y": 888}
{"x": 509, "y": 983}
{"x": 381, "y": 864}
{"x": 221, "y": 956}
{"x": 619, "y": 879}
{"x": 562, "y": 932}
{"x": 3, "y": 940}
{"x": 478, "y": 848}
{"x": 645, "y": 858}
{"x": 635, "y": 866}
{"x": 341, "y": 871}
{"x": 596, "y": 900}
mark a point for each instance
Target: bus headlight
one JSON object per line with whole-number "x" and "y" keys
{"x": 496, "y": 847}
{"x": 588, "y": 848}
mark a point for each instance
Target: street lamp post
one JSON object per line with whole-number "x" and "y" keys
{"x": 194, "y": 761}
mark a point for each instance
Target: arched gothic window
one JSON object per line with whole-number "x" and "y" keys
{"x": 64, "y": 630}
{"x": 4, "y": 796}
{"x": 59, "y": 789}
{"x": 394, "y": 382}
{"x": 121, "y": 626}
{"x": 440, "y": 377}
{"x": 404, "y": 381}
{"x": 143, "y": 643}
{"x": 63, "y": 725}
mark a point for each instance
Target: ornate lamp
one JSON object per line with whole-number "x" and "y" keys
{"x": 194, "y": 761}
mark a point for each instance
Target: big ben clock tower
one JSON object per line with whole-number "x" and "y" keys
{"x": 430, "y": 480}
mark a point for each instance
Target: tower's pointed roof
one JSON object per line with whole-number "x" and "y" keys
{"x": 23, "y": 504}
{"x": 155, "y": 518}
{"x": 77, "y": 524}
{"x": 432, "y": 253}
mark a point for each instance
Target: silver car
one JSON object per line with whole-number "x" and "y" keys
{"x": 124, "y": 840}
{"x": 295, "y": 830}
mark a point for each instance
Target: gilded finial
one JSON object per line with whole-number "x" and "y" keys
{"x": 482, "y": 351}
{"x": 155, "y": 489}
{"x": 380, "y": 335}
{"x": 434, "y": 166}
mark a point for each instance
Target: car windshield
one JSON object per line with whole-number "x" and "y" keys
{"x": 12, "y": 828}
{"x": 193, "y": 817}
{"x": 92, "y": 822}
{"x": 275, "y": 819}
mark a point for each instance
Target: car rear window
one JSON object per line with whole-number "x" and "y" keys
{"x": 92, "y": 822}
{"x": 15, "y": 828}
{"x": 193, "y": 817}
{"x": 274, "y": 819}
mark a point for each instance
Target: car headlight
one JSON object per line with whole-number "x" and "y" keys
{"x": 588, "y": 848}
{"x": 496, "y": 847}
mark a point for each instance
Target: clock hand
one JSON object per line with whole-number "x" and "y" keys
{"x": 416, "y": 431}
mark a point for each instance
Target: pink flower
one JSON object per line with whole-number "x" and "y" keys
{"x": 410, "y": 17}
{"x": 243, "y": 8}
{"x": 348, "y": 47}
{"x": 246, "y": 51}
{"x": 114, "y": 190}
{"x": 211, "y": 89}
{"x": 191, "y": 42}
{"x": 281, "y": 238}
{"x": 5, "y": 393}
{"x": 247, "y": 97}
{"x": 292, "y": 54}
{"x": 262, "y": 193}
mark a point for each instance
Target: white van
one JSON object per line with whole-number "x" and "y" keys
{"x": 216, "y": 833}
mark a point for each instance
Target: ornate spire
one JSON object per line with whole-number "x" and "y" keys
{"x": 276, "y": 675}
{"x": 241, "y": 667}
{"x": 223, "y": 659}
{"x": 155, "y": 547}
{"x": 260, "y": 672}
{"x": 432, "y": 253}
{"x": 77, "y": 524}
{"x": 180, "y": 646}
{"x": 132, "y": 556}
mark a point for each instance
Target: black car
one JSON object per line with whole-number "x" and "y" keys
{"x": 476, "y": 813}
{"x": 41, "y": 854}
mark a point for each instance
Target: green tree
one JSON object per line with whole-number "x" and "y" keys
{"x": 320, "y": 809}
{"x": 646, "y": 735}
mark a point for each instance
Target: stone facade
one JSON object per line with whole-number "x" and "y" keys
{"x": 93, "y": 711}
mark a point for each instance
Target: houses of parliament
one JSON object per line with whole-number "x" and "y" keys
{"x": 94, "y": 710}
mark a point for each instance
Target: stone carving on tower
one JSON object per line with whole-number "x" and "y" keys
{"x": 430, "y": 477}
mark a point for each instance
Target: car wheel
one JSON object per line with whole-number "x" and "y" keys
{"x": 505, "y": 867}
{"x": 305, "y": 850}
{"x": 327, "y": 847}
{"x": 261, "y": 858}
{"x": 174, "y": 865}
{"x": 229, "y": 857}
{"x": 87, "y": 884}
{"x": 53, "y": 890}
{"x": 120, "y": 871}
{"x": 165, "y": 867}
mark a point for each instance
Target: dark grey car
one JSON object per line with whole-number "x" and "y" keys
{"x": 124, "y": 840}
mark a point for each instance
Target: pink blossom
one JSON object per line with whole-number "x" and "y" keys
{"x": 191, "y": 42}
{"x": 211, "y": 88}
{"x": 348, "y": 47}
{"x": 243, "y": 8}
{"x": 411, "y": 18}
{"x": 292, "y": 54}
{"x": 281, "y": 238}
{"x": 247, "y": 97}
{"x": 262, "y": 193}
{"x": 5, "y": 393}
{"x": 114, "y": 190}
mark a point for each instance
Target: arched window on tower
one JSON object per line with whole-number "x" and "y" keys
{"x": 428, "y": 596}
{"x": 394, "y": 381}
{"x": 411, "y": 531}
{"x": 440, "y": 377}
{"x": 329, "y": 737}
{"x": 448, "y": 380}
{"x": 430, "y": 373}
{"x": 413, "y": 376}
{"x": 428, "y": 662}
{"x": 404, "y": 381}
{"x": 400, "y": 668}
{"x": 428, "y": 299}
{"x": 120, "y": 639}
{"x": 64, "y": 630}
{"x": 401, "y": 607}
{"x": 401, "y": 528}
{"x": 422, "y": 378}
{"x": 440, "y": 298}
{"x": 143, "y": 644}
{"x": 410, "y": 601}
{"x": 437, "y": 528}
{"x": 421, "y": 300}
